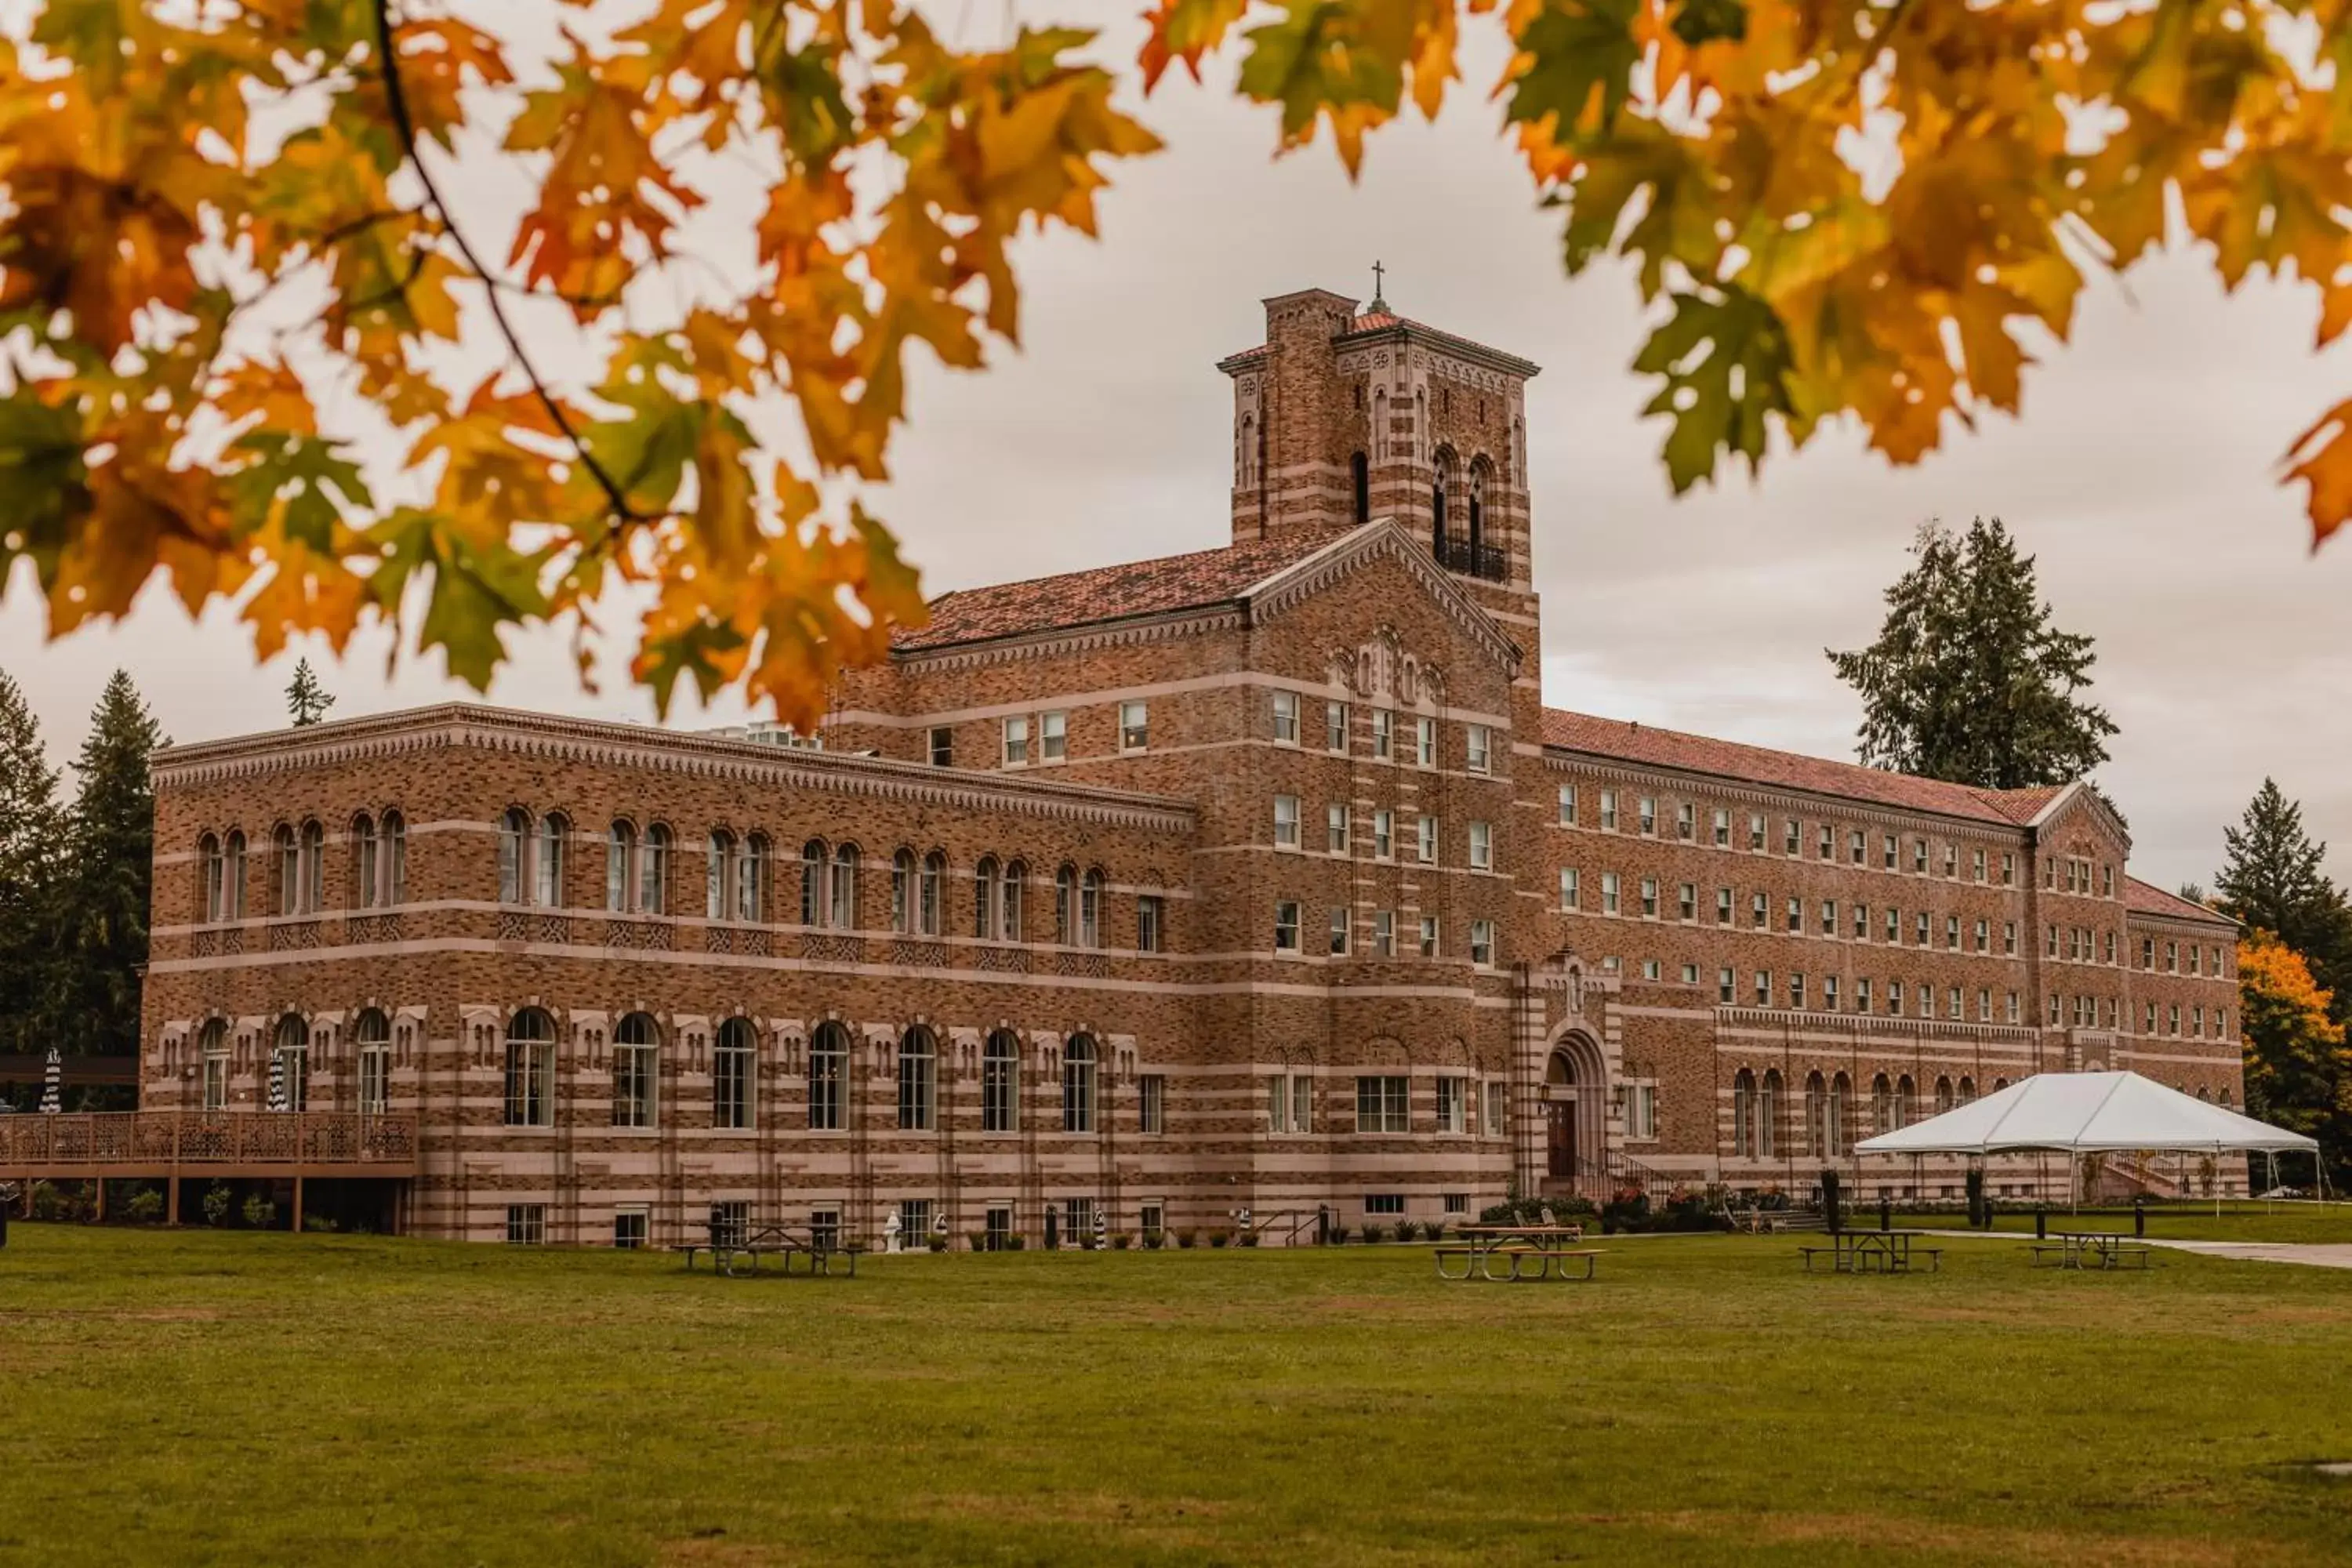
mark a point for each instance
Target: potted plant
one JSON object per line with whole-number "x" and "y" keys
{"x": 1184, "y": 1239}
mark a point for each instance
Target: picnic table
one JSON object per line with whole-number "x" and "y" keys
{"x": 1871, "y": 1252}
{"x": 2093, "y": 1249}
{"x": 1548, "y": 1247}
{"x": 735, "y": 1256}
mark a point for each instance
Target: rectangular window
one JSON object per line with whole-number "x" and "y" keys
{"x": 1763, "y": 988}
{"x": 1895, "y": 999}
{"x": 914, "y": 1222}
{"x": 1952, "y": 1009}
{"x": 1984, "y": 1005}
{"x": 1886, "y": 852}
{"x": 1608, "y": 811}
{"x": 1829, "y": 917}
{"x": 1793, "y": 837}
{"x": 530, "y": 1083}
{"x": 1285, "y": 926}
{"x": 1647, "y": 815}
{"x": 1016, "y": 743}
{"x": 1977, "y": 863}
{"x": 1424, "y": 741}
{"x": 942, "y": 746}
{"x": 1285, "y": 822}
{"x": 2009, "y": 870}
{"x": 1340, "y": 930}
{"x": 1380, "y": 1203}
{"x": 1723, "y": 906}
{"x": 1429, "y": 948}
{"x": 1383, "y": 724}
{"x": 2009, "y": 938}
{"x": 629, "y": 1222}
{"x": 1568, "y": 806}
{"x": 1794, "y": 919}
{"x": 1384, "y": 932}
{"x": 1335, "y": 828}
{"x": 1759, "y": 912}
{"x": 1858, "y": 846}
{"x": 1984, "y": 936}
{"x": 732, "y": 1081}
{"x": 2013, "y": 1009}
{"x": 1919, "y": 855}
{"x": 1649, "y": 898}
{"x": 526, "y": 1223}
{"x": 1756, "y": 831}
{"x": 633, "y": 1086}
{"x": 1384, "y": 835}
{"x": 1482, "y": 942}
{"x": 1571, "y": 887}
{"x": 1642, "y": 1110}
{"x": 1688, "y": 907}
{"x": 1722, "y": 828}
{"x": 1952, "y": 933}
{"x": 1134, "y": 726}
{"x": 1825, "y": 846}
{"x": 1952, "y": 860}
{"x": 1456, "y": 1203}
{"x": 1335, "y": 726}
{"x": 1151, "y": 1102}
{"x": 1478, "y": 743}
{"x": 1498, "y": 1108}
{"x": 1797, "y": 992}
{"x": 1609, "y": 893}
{"x": 1383, "y": 1105}
{"x": 1894, "y": 926}
{"x": 1861, "y": 994}
{"x": 1686, "y": 821}
{"x": 1481, "y": 846}
{"x": 1427, "y": 846}
{"x": 1649, "y": 969}
{"x": 1923, "y": 930}
{"x": 1052, "y": 737}
{"x": 1285, "y": 718}
{"x": 1861, "y": 922}
{"x": 1726, "y": 982}
{"x": 1150, "y": 922}
{"x": 1828, "y": 993}
{"x": 375, "y": 1080}
{"x": 1452, "y": 1105}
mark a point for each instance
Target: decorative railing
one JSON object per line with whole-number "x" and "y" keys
{"x": 1488, "y": 560}
{"x": 160, "y": 1139}
{"x": 293, "y": 933}
{"x": 1086, "y": 965}
{"x": 1007, "y": 960}
{"x": 372, "y": 928}
{"x": 820, "y": 948}
{"x": 919, "y": 954}
{"x": 653, "y": 935}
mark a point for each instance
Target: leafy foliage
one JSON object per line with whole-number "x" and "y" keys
{"x": 31, "y": 859}
{"x": 2273, "y": 881}
{"x": 1869, "y": 212}
{"x": 1968, "y": 681}
{"x": 2298, "y": 1072}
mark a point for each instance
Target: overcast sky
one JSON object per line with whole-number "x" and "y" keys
{"x": 2142, "y": 475}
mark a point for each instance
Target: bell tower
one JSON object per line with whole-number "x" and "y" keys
{"x": 1345, "y": 415}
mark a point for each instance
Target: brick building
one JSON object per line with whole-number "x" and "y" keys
{"x": 1258, "y": 879}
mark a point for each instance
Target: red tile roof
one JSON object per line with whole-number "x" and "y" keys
{"x": 1644, "y": 743}
{"x": 2147, "y": 899}
{"x": 1158, "y": 586}
{"x": 1385, "y": 320}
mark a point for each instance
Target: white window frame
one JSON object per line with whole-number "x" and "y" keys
{"x": 1017, "y": 741}
{"x": 1285, "y": 822}
{"x": 1285, "y": 718}
{"x": 1481, "y": 846}
{"x": 1134, "y": 725}
{"x": 1477, "y": 748}
{"x": 1053, "y": 736}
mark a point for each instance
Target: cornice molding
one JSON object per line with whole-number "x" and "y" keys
{"x": 1564, "y": 759}
{"x": 456, "y": 726}
{"x": 1139, "y": 632}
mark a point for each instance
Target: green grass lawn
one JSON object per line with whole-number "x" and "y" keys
{"x": 2184, "y": 1222}
{"x": 260, "y": 1398}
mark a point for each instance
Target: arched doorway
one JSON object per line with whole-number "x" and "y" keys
{"x": 1575, "y": 1105}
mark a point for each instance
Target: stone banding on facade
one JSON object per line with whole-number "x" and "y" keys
{"x": 1233, "y": 980}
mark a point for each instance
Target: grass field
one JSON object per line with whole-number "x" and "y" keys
{"x": 241, "y": 1398}
{"x": 2183, "y": 1222}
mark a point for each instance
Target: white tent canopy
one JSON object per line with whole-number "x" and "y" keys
{"x": 2086, "y": 1112}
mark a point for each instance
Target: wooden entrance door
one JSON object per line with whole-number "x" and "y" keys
{"x": 1560, "y": 1138}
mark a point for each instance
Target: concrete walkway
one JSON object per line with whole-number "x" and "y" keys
{"x": 2311, "y": 1255}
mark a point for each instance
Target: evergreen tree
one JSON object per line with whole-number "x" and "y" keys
{"x": 2298, "y": 1073}
{"x": 31, "y": 854}
{"x": 2273, "y": 881}
{"x": 1968, "y": 681}
{"x": 306, "y": 699}
{"x": 101, "y": 933}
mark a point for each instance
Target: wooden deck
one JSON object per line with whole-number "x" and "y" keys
{"x": 156, "y": 1144}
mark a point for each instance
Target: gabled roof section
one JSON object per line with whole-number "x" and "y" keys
{"x": 1162, "y": 585}
{"x": 1380, "y": 538}
{"x": 2147, "y": 899}
{"x": 1622, "y": 740}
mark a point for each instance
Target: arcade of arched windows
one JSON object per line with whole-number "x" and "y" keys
{"x": 1814, "y": 1113}
{"x": 234, "y": 881}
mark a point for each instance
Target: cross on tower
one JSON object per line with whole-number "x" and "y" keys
{"x": 1379, "y": 274}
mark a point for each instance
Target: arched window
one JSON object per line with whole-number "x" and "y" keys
{"x": 288, "y": 854}
{"x": 1437, "y": 513}
{"x": 1841, "y": 1118}
{"x": 1000, "y": 1083}
{"x": 1249, "y": 450}
{"x": 845, "y": 887}
{"x": 372, "y": 1037}
{"x": 1943, "y": 1094}
{"x": 1078, "y": 1085}
{"x": 1906, "y": 1102}
{"x": 1066, "y": 905}
{"x": 1010, "y": 925}
{"x": 211, "y": 899}
{"x": 553, "y": 830}
{"x": 734, "y": 1064}
{"x": 1743, "y": 1114}
{"x": 1477, "y": 511}
{"x": 233, "y": 878}
{"x": 751, "y": 879}
{"x": 902, "y": 891}
{"x": 721, "y": 857}
{"x": 364, "y": 888}
{"x": 931, "y": 907}
{"x": 393, "y": 832}
{"x": 983, "y": 899}
{"x": 1998, "y": 1084}
{"x": 1882, "y": 1105}
{"x": 917, "y": 1078}
{"x": 289, "y": 1065}
{"x": 2225, "y": 1097}
{"x": 1380, "y": 422}
{"x": 530, "y": 1069}
{"x": 314, "y": 867}
{"x": 1359, "y": 471}
{"x": 1768, "y": 1117}
{"x": 620, "y": 872}
{"x": 1968, "y": 1091}
{"x": 828, "y": 1067}
{"x": 1817, "y": 1136}
{"x": 212, "y": 1042}
{"x": 814, "y": 858}
{"x": 636, "y": 1069}
{"x": 653, "y": 870}
{"x": 1090, "y": 911}
{"x": 514, "y": 834}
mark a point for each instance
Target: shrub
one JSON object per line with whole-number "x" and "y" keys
{"x": 217, "y": 1203}
{"x": 1152, "y": 1238}
{"x": 1221, "y": 1237}
{"x": 145, "y": 1207}
{"x": 1249, "y": 1238}
{"x": 1121, "y": 1242}
{"x": 936, "y": 1242}
{"x": 319, "y": 1223}
{"x": 260, "y": 1213}
{"x": 1374, "y": 1233}
{"x": 46, "y": 1204}
{"x": 1015, "y": 1242}
{"x": 1184, "y": 1238}
{"x": 1338, "y": 1236}
{"x": 978, "y": 1239}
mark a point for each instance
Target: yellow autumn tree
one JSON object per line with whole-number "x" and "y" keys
{"x": 1864, "y": 211}
{"x": 2298, "y": 1071}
